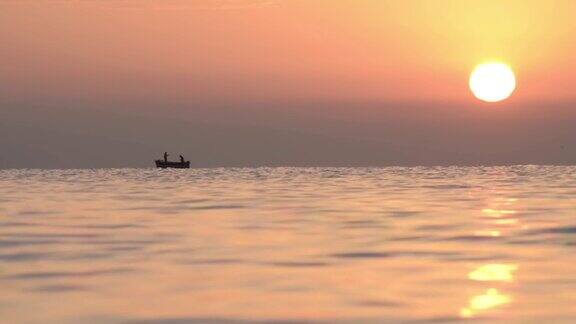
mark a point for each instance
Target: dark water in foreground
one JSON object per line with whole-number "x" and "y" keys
{"x": 288, "y": 244}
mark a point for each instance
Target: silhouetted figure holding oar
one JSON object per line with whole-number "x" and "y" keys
{"x": 181, "y": 159}
{"x": 165, "y": 156}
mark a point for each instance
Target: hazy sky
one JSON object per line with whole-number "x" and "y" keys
{"x": 109, "y": 83}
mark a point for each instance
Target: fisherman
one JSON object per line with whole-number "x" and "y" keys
{"x": 181, "y": 159}
{"x": 165, "y": 156}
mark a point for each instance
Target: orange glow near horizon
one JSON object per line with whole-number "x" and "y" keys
{"x": 278, "y": 49}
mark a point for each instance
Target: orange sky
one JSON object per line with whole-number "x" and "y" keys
{"x": 93, "y": 83}
{"x": 285, "y": 49}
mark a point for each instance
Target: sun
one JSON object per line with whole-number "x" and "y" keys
{"x": 492, "y": 82}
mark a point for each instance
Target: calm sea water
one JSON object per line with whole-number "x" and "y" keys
{"x": 327, "y": 245}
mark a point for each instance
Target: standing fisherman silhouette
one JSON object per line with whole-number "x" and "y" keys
{"x": 181, "y": 159}
{"x": 165, "y": 156}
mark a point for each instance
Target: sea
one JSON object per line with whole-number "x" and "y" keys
{"x": 289, "y": 245}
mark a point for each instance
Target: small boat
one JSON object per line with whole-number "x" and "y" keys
{"x": 169, "y": 164}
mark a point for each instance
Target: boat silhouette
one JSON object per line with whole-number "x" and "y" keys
{"x": 170, "y": 164}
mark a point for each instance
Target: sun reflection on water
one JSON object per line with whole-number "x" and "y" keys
{"x": 488, "y": 233}
{"x": 506, "y": 221}
{"x": 501, "y": 217}
{"x": 494, "y": 272}
{"x": 490, "y": 299}
{"x": 497, "y": 213}
{"x": 501, "y": 214}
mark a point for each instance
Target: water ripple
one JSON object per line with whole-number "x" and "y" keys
{"x": 294, "y": 245}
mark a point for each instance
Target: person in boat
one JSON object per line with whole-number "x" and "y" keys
{"x": 165, "y": 156}
{"x": 181, "y": 159}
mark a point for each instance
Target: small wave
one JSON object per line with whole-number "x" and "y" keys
{"x": 66, "y": 274}
{"x": 554, "y": 230}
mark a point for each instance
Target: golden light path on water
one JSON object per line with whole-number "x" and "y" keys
{"x": 314, "y": 245}
{"x": 493, "y": 272}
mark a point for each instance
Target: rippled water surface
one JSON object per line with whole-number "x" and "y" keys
{"x": 288, "y": 244}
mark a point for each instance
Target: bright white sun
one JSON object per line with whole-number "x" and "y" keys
{"x": 492, "y": 82}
